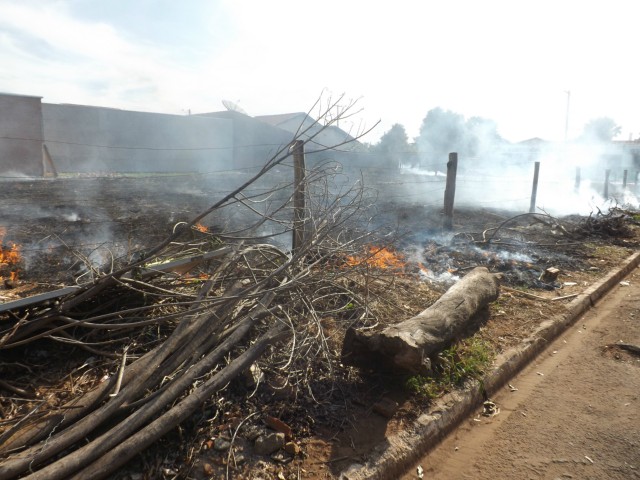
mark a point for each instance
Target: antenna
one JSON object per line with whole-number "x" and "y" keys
{"x": 233, "y": 107}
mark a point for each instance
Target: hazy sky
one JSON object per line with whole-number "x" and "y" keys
{"x": 508, "y": 60}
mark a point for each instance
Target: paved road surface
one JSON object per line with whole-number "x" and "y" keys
{"x": 575, "y": 413}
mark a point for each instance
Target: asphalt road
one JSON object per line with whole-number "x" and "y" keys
{"x": 573, "y": 413}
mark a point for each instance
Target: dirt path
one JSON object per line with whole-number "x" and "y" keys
{"x": 575, "y": 414}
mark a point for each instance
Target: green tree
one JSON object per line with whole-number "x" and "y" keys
{"x": 394, "y": 146}
{"x": 441, "y": 132}
{"x": 602, "y": 129}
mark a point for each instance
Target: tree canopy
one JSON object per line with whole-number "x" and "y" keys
{"x": 394, "y": 147}
{"x": 602, "y": 129}
{"x": 395, "y": 140}
{"x": 444, "y": 131}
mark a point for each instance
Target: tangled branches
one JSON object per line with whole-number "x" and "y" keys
{"x": 614, "y": 223}
{"x": 184, "y": 319}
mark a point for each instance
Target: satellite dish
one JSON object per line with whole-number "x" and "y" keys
{"x": 233, "y": 107}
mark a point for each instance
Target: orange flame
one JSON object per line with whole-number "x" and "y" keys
{"x": 201, "y": 228}
{"x": 379, "y": 257}
{"x": 9, "y": 255}
{"x": 192, "y": 276}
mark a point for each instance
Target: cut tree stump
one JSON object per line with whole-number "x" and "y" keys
{"x": 550, "y": 275}
{"x": 408, "y": 345}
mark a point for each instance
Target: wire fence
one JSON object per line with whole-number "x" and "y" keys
{"x": 426, "y": 181}
{"x": 28, "y": 201}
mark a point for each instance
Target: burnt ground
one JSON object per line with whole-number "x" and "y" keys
{"x": 60, "y": 223}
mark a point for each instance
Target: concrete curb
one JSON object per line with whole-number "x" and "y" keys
{"x": 391, "y": 458}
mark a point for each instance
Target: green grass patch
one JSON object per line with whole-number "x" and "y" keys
{"x": 467, "y": 359}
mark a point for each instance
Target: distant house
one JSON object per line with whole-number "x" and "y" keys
{"x": 308, "y": 128}
{"x": 254, "y": 142}
{"x": 322, "y": 142}
{"x": 531, "y": 148}
{"x": 631, "y": 150}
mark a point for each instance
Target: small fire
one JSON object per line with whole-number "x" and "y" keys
{"x": 379, "y": 257}
{"x": 201, "y": 228}
{"x": 10, "y": 256}
{"x": 195, "y": 277}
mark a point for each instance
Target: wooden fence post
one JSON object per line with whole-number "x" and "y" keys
{"x": 534, "y": 189}
{"x": 450, "y": 191}
{"x": 606, "y": 183}
{"x": 298, "y": 195}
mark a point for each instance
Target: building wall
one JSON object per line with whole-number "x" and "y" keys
{"x": 87, "y": 139}
{"x": 20, "y": 136}
{"x": 96, "y": 139}
{"x": 254, "y": 141}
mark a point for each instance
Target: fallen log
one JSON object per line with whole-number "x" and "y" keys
{"x": 410, "y": 344}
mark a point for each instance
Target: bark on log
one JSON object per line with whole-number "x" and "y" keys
{"x": 409, "y": 345}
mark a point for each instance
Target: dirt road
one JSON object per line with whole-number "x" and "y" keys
{"x": 574, "y": 413}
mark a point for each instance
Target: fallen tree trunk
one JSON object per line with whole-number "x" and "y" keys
{"x": 408, "y": 345}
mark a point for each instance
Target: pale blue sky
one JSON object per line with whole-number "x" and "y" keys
{"x": 508, "y": 60}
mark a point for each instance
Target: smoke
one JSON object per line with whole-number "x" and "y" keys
{"x": 71, "y": 217}
{"x": 494, "y": 182}
{"x": 14, "y": 175}
{"x": 495, "y": 174}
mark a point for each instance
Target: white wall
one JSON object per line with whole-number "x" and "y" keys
{"x": 95, "y": 139}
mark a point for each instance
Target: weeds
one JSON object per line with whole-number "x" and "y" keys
{"x": 467, "y": 359}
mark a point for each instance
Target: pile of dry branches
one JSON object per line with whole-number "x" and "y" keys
{"x": 614, "y": 223}
{"x": 180, "y": 323}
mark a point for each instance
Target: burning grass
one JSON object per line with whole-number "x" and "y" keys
{"x": 10, "y": 255}
{"x": 10, "y": 258}
{"x": 383, "y": 258}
